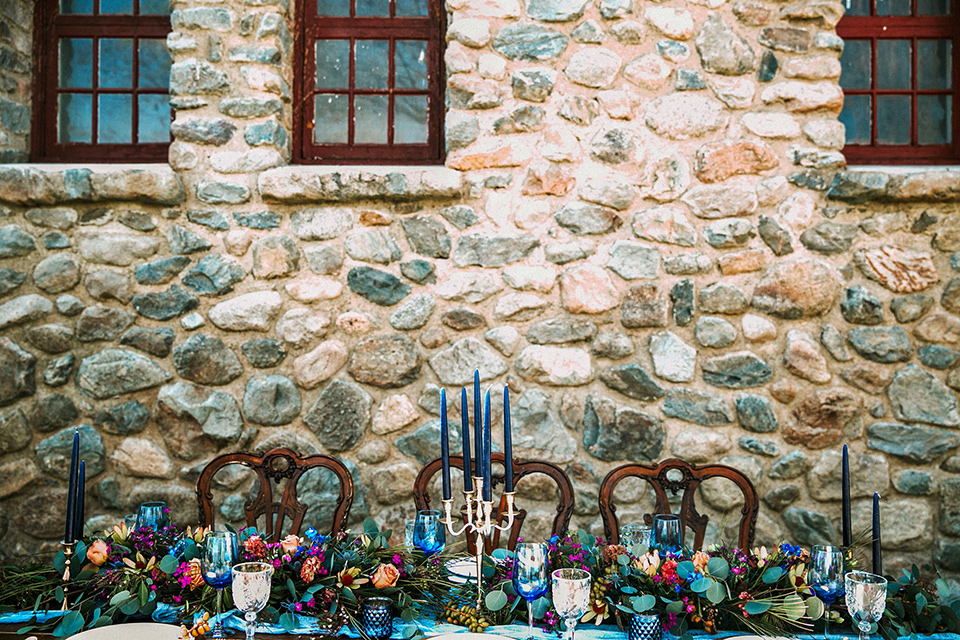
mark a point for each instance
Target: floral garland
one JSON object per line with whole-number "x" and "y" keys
{"x": 128, "y": 574}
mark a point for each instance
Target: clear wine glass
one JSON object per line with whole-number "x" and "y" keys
{"x": 428, "y": 533}
{"x": 866, "y": 595}
{"x": 825, "y": 575}
{"x": 216, "y": 563}
{"x": 251, "y": 591}
{"x": 152, "y": 515}
{"x": 634, "y": 534}
{"x": 530, "y": 575}
{"x": 667, "y": 534}
{"x": 571, "y": 596}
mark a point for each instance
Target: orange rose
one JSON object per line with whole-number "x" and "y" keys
{"x": 385, "y": 576}
{"x": 98, "y": 552}
{"x": 290, "y": 543}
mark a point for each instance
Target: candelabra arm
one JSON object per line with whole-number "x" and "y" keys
{"x": 448, "y": 516}
{"x": 511, "y": 513}
{"x": 68, "y": 549}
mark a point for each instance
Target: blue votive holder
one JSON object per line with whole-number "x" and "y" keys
{"x": 376, "y": 616}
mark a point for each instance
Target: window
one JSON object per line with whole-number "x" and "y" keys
{"x": 101, "y": 92}
{"x": 370, "y": 89}
{"x": 899, "y": 80}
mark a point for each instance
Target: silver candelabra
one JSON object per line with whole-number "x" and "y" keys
{"x": 478, "y": 521}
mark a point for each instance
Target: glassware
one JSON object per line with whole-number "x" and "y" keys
{"x": 152, "y": 515}
{"x": 130, "y": 520}
{"x": 571, "y": 596}
{"x": 409, "y": 525}
{"x": 667, "y": 534}
{"x": 530, "y": 575}
{"x": 251, "y": 591}
{"x": 866, "y": 595}
{"x": 376, "y": 615}
{"x": 428, "y": 533}
{"x": 633, "y": 534}
{"x": 825, "y": 577}
{"x": 219, "y": 554}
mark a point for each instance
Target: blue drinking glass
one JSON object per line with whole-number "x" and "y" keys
{"x": 428, "y": 533}
{"x": 667, "y": 534}
{"x": 216, "y": 563}
{"x": 825, "y": 575}
{"x": 152, "y": 515}
{"x": 530, "y": 575}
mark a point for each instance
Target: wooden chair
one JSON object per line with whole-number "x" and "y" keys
{"x": 521, "y": 468}
{"x": 275, "y": 465}
{"x": 690, "y": 478}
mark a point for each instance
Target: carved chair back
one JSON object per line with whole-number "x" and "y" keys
{"x": 675, "y": 476}
{"x": 276, "y": 465}
{"x": 521, "y": 468}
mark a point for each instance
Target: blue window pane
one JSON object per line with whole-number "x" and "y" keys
{"x": 75, "y": 117}
{"x": 153, "y": 123}
{"x": 330, "y": 118}
{"x": 76, "y": 62}
{"x": 115, "y": 118}
{"x": 76, "y": 6}
{"x": 373, "y": 7}
{"x": 855, "y": 63}
{"x": 893, "y": 119}
{"x": 154, "y": 7}
{"x": 116, "y": 6}
{"x": 893, "y": 7}
{"x": 116, "y": 63}
{"x": 893, "y": 64}
{"x": 933, "y": 7}
{"x": 333, "y": 64}
{"x": 338, "y": 8}
{"x": 934, "y": 67}
{"x": 410, "y": 120}
{"x": 412, "y": 7}
{"x": 153, "y": 60}
{"x": 933, "y": 119}
{"x": 370, "y": 119}
{"x": 410, "y": 64}
{"x": 858, "y": 8}
{"x": 855, "y": 117}
{"x": 372, "y": 64}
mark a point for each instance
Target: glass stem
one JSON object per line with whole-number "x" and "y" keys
{"x": 571, "y": 628}
{"x": 864, "y": 628}
{"x": 250, "y": 617}
{"x": 530, "y": 618}
{"x": 826, "y": 624}
{"x": 218, "y": 627}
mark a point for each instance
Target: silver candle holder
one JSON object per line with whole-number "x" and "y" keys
{"x": 479, "y": 521}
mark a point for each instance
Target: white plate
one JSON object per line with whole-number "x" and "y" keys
{"x": 467, "y": 636}
{"x": 462, "y": 570}
{"x": 138, "y": 630}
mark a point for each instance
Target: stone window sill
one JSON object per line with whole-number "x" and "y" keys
{"x": 301, "y": 184}
{"x": 896, "y": 184}
{"x": 51, "y": 184}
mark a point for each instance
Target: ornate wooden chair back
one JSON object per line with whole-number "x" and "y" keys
{"x": 521, "y": 468}
{"x": 683, "y": 477}
{"x": 275, "y": 465}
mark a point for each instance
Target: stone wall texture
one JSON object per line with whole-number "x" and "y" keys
{"x": 645, "y": 227}
{"x": 16, "y": 65}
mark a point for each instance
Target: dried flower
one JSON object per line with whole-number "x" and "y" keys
{"x": 255, "y": 546}
{"x": 311, "y": 566}
{"x": 613, "y": 551}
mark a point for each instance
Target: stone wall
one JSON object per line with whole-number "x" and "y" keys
{"x": 16, "y": 65}
{"x": 644, "y": 227}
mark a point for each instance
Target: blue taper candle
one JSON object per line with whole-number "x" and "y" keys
{"x": 845, "y": 518}
{"x": 444, "y": 445}
{"x": 507, "y": 443}
{"x": 465, "y": 438}
{"x": 877, "y": 560}
{"x": 487, "y": 450}
{"x": 81, "y": 501}
{"x": 477, "y": 422}
{"x": 70, "y": 528}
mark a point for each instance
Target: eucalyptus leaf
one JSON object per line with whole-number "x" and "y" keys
{"x": 815, "y": 608}
{"x": 685, "y": 568}
{"x": 119, "y": 597}
{"x": 921, "y": 603}
{"x": 292, "y": 589}
{"x": 102, "y": 621}
{"x": 540, "y": 607}
{"x": 623, "y": 559}
{"x": 643, "y": 603}
{"x": 496, "y": 600}
{"x": 500, "y": 554}
{"x": 638, "y": 549}
{"x": 675, "y": 607}
{"x": 168, "y": 564}
{"x": 700, "y": 585}
{"x": 716, "y": 593}
{"x": 60, "y": 562}
{"x": 718, "y": 568}
{"x": 408, "y": 615}
{"x": 793, "y": 607}
{"x": 130, "y": 606}
{"x": 409, "y": 632}
{"x": 756, "y": 607}
{"x": 772, "y": 574}
{"x": 287, "y": 622}
{"x": 370, "y": 526}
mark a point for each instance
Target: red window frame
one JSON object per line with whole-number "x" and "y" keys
{"x": 49, "y": 26}
{"x": 313, "y": 27}
{"x": 913, "y": 27}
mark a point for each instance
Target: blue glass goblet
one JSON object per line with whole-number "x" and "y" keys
{"x": 667, "y": 534}
{"x": 428, "y": 533}
{"x": 825, "y": 575}
{"x": 152, "y": 515}
{"x": 216, "y": 563}
{"x": 530, "y": 575}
